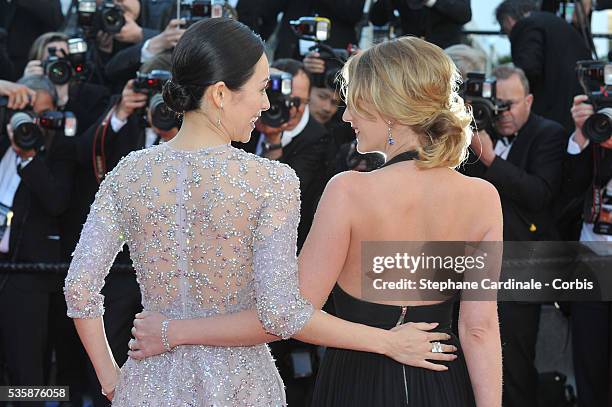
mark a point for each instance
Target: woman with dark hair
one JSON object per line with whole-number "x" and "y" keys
{"x": 212, "y": 233}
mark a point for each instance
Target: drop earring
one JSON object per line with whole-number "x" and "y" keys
{"x": 390, "y": 136}
{"x": 219, "y": 116}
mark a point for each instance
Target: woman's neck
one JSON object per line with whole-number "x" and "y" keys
{"x": 405, "y": 140}
{"x": 198, "y": 132}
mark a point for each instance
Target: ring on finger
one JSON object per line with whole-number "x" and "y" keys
{"x": 436, "y": 347}
{"x": 131, "y": 343}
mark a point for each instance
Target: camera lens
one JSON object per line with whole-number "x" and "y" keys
{"x": 59, "y": 71}
{"x": 278, "y": 113}
{"x": 598, "y": 127}
{"x": 161, "y": 117}
{"x": 112, "y": 19}
{"x": 482, "y": 112}
{"x": 26, "y": 134}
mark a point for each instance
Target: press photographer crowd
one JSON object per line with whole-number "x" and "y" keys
{"x": 80, "y": 88}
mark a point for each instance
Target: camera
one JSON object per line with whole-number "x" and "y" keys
{"x": 312, "y": 28}
{"x": 196, "y": 10}
{"x": 27, "y": 125}
{"x": 334, "y": 59}
{"x": 107, "y": 17}
{"x": 279, "y": 94}
{"x": 151, "y": 84}
{"x": 480, "y": 93}
{"x": 595, "y": 77}
{"x": 161, "y": 117}
{"x": 60, "y": 69}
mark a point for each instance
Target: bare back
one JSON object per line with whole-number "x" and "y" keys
{"x": 403, "y": 203}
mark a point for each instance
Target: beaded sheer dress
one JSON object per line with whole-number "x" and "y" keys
{"x": 210, "y": 231}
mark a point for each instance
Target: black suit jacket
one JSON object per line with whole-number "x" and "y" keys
{"x": 576, "y": 201}
{"x": 117, "y": 145}
{"x": 344, "y": 16}
{"x": 41, "y": 198}
{"x": 547, "y": 48}
{"x": 25, "y": 20}
{"x": 87, "y": 101}
{"x": 529, "y": 180}
{"x": 440, "y": 24}
{"x": 124, "y": 64}
{"x": 307, "y": 155}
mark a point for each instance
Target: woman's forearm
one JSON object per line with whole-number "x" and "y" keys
{"x": 238, "y": 329}
{"x": 328, "y": 330}
{"x": 91, "y": 332}
{"x": 245, "y": 329}
{"x": 482, "y": 350}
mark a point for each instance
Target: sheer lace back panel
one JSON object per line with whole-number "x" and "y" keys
{"x": 210, "y": 231}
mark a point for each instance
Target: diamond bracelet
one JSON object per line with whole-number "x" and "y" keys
{"x": 164, "y": 335}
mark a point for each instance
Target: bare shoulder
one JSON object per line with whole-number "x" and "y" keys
{"x": 478, "y": 190}
{"x": 346, "y": 184}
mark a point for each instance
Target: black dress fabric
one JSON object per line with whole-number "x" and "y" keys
{"x": 351, "y": 378}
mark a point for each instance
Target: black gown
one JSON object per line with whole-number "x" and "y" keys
{"x": 353, "y": 379}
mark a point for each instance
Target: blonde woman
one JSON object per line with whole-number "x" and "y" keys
{"x": 401, "y": 100}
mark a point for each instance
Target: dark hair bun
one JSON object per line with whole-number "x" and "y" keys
{"x": 179, "y": 98}
{"x": 211, "y": 50}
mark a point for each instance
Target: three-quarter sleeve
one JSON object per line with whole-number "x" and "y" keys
{"x": 281, "y": 308}
{"x": 101, "y": 239}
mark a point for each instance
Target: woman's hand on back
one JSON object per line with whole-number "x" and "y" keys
{"x": 411, "y": 344}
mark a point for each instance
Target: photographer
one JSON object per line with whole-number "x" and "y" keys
{"x": 524, "y": 164}
{"x": 86, "y": 100}
{"x": 546, "y": 48}
{"x": 437, "y": 21}
{"x": 589, "y": 174}
{"x": 301, "y": 143}
{"x": 36, "y": 175}
{"x": 326, "y": 107}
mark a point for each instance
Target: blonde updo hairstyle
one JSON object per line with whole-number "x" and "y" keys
{"x": 414, "y": 83}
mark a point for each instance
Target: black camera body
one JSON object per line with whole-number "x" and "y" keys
{"x": 61, "y": 69}
{"x": 107, "y": 17}
{"x": 480, "y": 93}
{"x": 27, "y": 125}
{"x": 152, "y": 84}
{"x": 334, "y": 59}
{"x": 196, "y": 10}
{"x": 595, "y": 77}
{"x": 279, "y": 94}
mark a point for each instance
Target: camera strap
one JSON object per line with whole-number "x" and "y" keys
{"x": 597, "y": 185}
{"x": 99, "y": 154}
